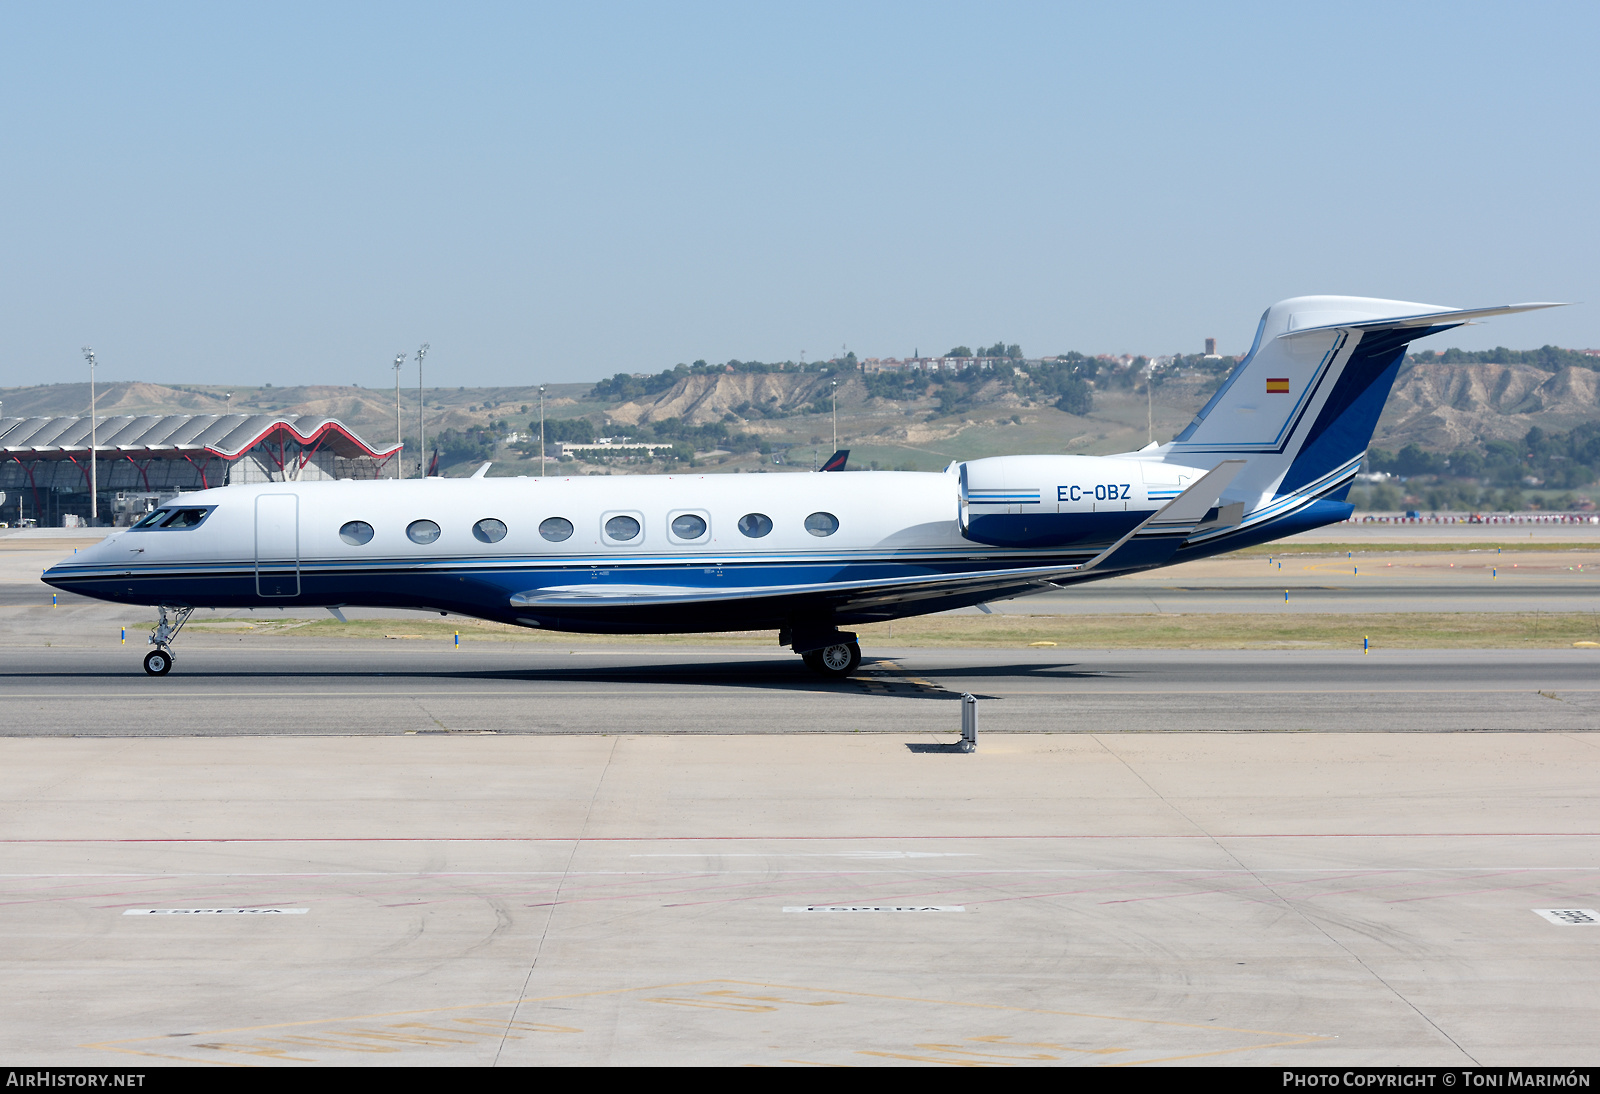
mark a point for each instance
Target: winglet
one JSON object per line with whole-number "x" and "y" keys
{"x": 482, "y": 471}
{"x": 1164, "y": 531}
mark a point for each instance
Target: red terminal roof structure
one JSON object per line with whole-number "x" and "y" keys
{"x": 226, "y": 436}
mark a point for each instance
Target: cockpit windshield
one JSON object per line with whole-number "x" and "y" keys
{"x": 174, "y": 518}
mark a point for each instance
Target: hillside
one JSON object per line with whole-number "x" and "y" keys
{"x": 370, "y": 411}
{"x": 729, "y": 416}
{"x": 1442, "y": 407}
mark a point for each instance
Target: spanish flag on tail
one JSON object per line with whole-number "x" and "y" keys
{"x": 1277, "y": 385}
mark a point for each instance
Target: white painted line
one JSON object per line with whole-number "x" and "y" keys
{"x": 812, "y": 854}
{"x": 216, "y": 911}
{"x": 876, "y": 908}
{"x": 1570, "y": 917}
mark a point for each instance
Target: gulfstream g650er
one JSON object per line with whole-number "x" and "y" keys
{"x": 1273, "y": 452}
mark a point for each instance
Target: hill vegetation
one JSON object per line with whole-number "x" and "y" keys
{"x": 1460, "y": 430}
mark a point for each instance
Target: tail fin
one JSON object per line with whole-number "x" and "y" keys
{"x": 1302, "y": 405}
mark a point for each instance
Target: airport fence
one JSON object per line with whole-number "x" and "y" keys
{"x": 1474, "y": 518}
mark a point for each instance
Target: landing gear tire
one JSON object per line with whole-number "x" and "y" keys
{"x": 172, "y": 617}
{"x": 838, "y": 660}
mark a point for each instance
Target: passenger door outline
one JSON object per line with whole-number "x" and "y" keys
{"x": 277, "y": 545}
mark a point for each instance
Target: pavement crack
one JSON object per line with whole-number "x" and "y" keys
{"x": 423, "y": 707}
{"x": 1291, "y": 906}
{"x": 555, "y": 902}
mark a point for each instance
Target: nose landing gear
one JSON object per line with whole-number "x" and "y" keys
{"x": 158, "y": 662}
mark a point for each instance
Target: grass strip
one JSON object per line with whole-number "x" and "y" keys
{"x": 1175, "y": 631}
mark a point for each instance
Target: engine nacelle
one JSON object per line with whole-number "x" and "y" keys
{"x": 1064, "y": 501}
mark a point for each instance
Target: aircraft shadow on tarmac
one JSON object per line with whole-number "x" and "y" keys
{"x": 778, "y": 675}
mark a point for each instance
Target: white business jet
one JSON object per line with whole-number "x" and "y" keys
{"x": 1273, "y": 453}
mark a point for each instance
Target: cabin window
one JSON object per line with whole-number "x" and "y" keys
{"x": 622, "y": 529}
{"x": 688, "y": 526}
{"x": 822, "y": 524}
{"x": 185, "y": 518}
{"x": 356, "y": 532}
{"x": 422, "y": 531}
{"x": 555, "y": 529}
{"x": 489, "y": 530}
{"x": 755, "y": 525}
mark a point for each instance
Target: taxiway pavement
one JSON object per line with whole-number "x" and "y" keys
{"x": 294, "y": 852}
{"x": 1314, "y": 900}
{"x": 296, "y": 687}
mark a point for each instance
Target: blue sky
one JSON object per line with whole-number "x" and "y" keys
{"x": 292, "y": 194}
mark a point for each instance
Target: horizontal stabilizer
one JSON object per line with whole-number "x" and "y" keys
{"x": 1164, "y": 531}
{"x": 1422, "y": 319}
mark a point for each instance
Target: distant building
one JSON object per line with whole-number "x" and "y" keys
{"x": 1211, "y": 347}
{"x": 142, "y": 460}
{"x": 606, "y": 445}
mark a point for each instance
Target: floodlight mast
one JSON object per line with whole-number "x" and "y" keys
{"x": 422, "y": 424}
{"x": 94, "y": 477}
{"x": 541, "y": 431}
{"x": 399, "y": 460}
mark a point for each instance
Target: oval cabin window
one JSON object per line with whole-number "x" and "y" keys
{"x": 622, "y": 529}
{"x": 422, "y": 531}
{"x": 489, "y": 530}
{"x": 555, "y": 529}
{"x": 755, "y": 525}
{"x": 356, "y": 533}
{"x": 688, "y": 526}
{"x": 822, "y": 524}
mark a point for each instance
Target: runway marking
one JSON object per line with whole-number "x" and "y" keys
{"x": 909, "y": 890}
{"x": 875, "y": 908}
{"x": 1570, "y": 917}
{"x": 812, "y": 854}
{"x": 810, "y": 1014}
{"x": 886, "y": 837}
{"x": 1045, "y": 872}
{"x": 216, "y": 911}
{"x": 1088, "y": 687}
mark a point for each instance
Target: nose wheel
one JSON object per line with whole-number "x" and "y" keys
{"x": 158, "y": 662}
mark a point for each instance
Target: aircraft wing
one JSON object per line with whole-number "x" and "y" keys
{"x": 1154, "y": 541}
{"x": 841, "y": 593}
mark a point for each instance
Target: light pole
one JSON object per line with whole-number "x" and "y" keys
{"x": 835, "y": 414}
{"x": 94, "y": 477}
{"x": 422, "y": 424}
{"x": 541, "y": 431}
{"x": 1150, "y": 401}
{"x": 399, "y": 461}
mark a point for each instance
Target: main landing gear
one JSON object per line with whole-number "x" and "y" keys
{"x": 834, "y": 653}
{"x": 158, "y": 662}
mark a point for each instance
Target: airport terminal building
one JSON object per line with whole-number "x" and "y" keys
{"x": 141, "y": 460}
